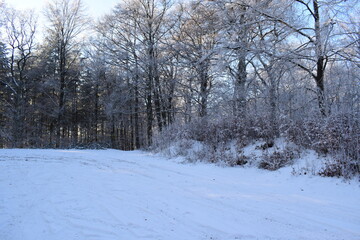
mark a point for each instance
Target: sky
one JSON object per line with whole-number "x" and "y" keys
{"x": 95, "y": 8}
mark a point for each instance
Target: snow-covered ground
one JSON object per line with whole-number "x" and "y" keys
{"x": 116, "y": 195}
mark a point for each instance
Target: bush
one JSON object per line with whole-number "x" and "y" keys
{"x": 337, "y": 135}
{"x": 339, "y": 167}
{"x": 239, "y": 160}
{"x": 215, "y": 136}
{"x": 332, "y": 169}
{"x": 279, "y": 159}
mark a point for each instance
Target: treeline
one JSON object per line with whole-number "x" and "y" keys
{"x": 149, "y": 64}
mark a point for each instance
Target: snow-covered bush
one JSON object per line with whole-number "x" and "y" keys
{"x": 340, "y": 166}
{"x": 278, "y": 159}
{"x": 168, "y": 137}
{"x": 337, "y": 135}
{"x": 239, "y": 160}
{"x": 333, "y": 168}
{"x": 218, "y": 140}
{"x": 222, "y": 141}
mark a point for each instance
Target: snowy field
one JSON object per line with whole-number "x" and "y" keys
{"x": 116, "y": 195}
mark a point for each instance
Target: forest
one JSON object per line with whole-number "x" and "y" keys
{"x": 154, "y": 72}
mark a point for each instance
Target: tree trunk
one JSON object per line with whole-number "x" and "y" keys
{"x": 241, "y": 74}
{"x": 149, "y": 112}
{"x": 240, "y": 87}
{"x": 320, "y": 64}
{"x": 136, "y": 115}
{"x": 61, "y": 109}
{"x": 204, "y": 88}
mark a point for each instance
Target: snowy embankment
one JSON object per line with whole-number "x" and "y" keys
{"x": 115, "y": 195}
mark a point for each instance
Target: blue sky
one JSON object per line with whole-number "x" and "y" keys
{"x": 95, "y": 8}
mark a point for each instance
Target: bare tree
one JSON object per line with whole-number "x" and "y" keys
{"x": 133, "y": 36}
{"x": 20, "y": 34}
{"x": 236, "y": 26}
{"x": 196, "y": 45}
{"x": 66, "y": 22}
{"x": 315, "y": 34}
{"x": 119, "y": 39}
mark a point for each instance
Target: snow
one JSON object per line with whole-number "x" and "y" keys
{"x": 110, "y": 194}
